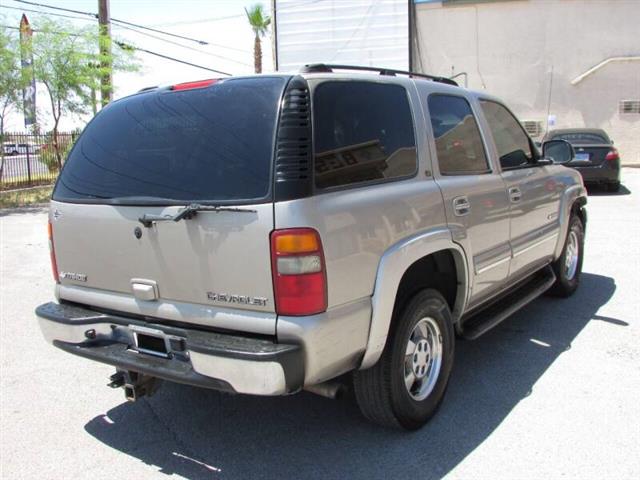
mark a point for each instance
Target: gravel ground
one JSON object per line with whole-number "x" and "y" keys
{"x": 552, "y": 392}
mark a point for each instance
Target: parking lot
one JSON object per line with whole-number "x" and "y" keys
{"x": 552, "y": 392}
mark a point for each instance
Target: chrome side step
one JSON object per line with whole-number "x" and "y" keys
{"x": 505, "y": 305}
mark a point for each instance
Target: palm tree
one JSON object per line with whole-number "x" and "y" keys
{"x": 260, "y": 25}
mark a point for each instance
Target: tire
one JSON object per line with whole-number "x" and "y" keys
{"x": 381, "y": 392}
{"x": 613, "y": 187}
{"x": 568, "y": 273}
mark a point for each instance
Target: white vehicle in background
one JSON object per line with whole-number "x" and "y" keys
{"x": 11, "y": 148}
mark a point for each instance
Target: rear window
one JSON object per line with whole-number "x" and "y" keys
{"x": 210, "y": 144}
{"x": 582, "y": 138}
{"x": 363, "y": 132}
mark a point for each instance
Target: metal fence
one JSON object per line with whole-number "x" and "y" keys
{"x": 30, "y": 160}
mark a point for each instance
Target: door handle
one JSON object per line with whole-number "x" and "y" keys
{"x": 515, "y": 195}
{"x": 461, "y": 206}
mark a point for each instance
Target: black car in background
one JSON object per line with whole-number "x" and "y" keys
{"x": 596, "y": 158}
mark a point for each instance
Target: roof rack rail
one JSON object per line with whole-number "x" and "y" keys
{"x": 328, "y": 68}
{"x": 147, "y": 88}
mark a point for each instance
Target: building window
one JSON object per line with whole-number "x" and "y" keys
{"x": 629, "y": 106}
{"x": 533, "y": 127}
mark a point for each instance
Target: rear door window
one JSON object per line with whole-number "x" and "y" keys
{"x": 458, "y": 142}
{"x": 512, "y": 142}
{"x": 363, "y": 132}
{"x": 212, "y": 144}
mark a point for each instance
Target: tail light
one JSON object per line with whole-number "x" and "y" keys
{"x": 612, "y": 155}
{"x": 299, "y": 276}
{"x": 52, "y": 253}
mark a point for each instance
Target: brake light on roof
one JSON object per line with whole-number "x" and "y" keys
{"x": 612, "y": 155}
{"x": 298, "y": 269}
{"x": 192, "y": 85}
{"x": 52, "y": 253}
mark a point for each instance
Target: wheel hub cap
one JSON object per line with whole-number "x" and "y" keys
{"x": 423, "y": 358}
{"x": 571, "y": 255}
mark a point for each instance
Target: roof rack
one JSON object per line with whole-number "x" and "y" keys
{"x": 328, "y": 68}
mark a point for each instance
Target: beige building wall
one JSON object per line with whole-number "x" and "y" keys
{"x": 528, "y": 52}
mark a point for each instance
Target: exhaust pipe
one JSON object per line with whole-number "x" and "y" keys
{"x": 332, "y": 390}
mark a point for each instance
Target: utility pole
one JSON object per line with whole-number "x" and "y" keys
{"x": 106, "y": 81}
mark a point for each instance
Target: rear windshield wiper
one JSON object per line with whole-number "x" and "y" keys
{"x": 188, "y": 212}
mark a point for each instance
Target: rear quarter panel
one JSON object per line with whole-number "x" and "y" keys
{"x": 358, "y": 224}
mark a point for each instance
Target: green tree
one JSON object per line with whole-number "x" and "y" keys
{"x": 259, "y": 22}
{"x": 11, "y": 82}
{"x": 67, "y": 62}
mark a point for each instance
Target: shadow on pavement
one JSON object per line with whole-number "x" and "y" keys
{"x": 205, "y": 434}
{"x": 599, "y": 191}
{"x": 37, "y": 208}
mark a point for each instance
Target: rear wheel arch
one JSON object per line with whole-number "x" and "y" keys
{"x": 415, "y": 256}
{"x": 578, "y": 209}
{"x": 439, "y": 271}
{"x": 572, "y": 202}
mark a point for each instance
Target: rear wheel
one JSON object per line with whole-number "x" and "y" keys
{"x": 569, "y": 265}
{"x": 406, "y": 386}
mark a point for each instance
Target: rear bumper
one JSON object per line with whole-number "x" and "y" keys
{"x": 604, "y": 173}
{"x": 205, "y": 359}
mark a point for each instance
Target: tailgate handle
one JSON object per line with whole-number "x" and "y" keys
{"x": 144, "y": 289}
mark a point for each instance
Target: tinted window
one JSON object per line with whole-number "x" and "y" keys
{"x": 510, "y": 138}
{"x": 458, "y": 141}
{"x": 208, "y": 144}
{"x": 582, "y": 138}
{"x": 362, "y": 132}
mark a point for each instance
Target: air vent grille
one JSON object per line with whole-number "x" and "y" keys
{"x": 293, "y": 172}
{"x": 533, "y": 127}
{"x": 629, "y": 106}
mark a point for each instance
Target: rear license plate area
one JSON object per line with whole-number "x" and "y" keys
{"x": 582, "y": 157}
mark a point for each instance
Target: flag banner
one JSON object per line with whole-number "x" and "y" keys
{"x": 29, "y": 91}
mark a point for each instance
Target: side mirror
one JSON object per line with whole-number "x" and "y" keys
{"x": 558, "y": 151}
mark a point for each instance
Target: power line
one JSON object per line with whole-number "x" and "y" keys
{"x": 229, "y": 17}
{"x": 201, "y": 42}
{"x": 184, "y": 46}
{"x": 142, "y": 33}
{"x": 203, "y": 20}
{"x": 94, "y": 15}
{"x": 126, "y": 46}
{"x": 41, "y": 31}
{"x": 45, "y": 13}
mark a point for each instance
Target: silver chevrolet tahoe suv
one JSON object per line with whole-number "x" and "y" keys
{"x": 270, "y": 234}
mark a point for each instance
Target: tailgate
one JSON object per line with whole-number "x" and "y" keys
{"x": 198, "y": 270}
{"x": 205, "y": 144}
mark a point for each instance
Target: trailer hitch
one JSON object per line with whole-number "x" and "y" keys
{"x": 136, "y": 385}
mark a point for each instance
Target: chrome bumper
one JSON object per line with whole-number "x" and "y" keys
{"x": 206, "y": 359}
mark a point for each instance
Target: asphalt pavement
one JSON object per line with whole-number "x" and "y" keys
{"x": 553, "y": 392}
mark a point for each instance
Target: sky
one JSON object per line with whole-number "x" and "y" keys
{"x": 221, "y": 23}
